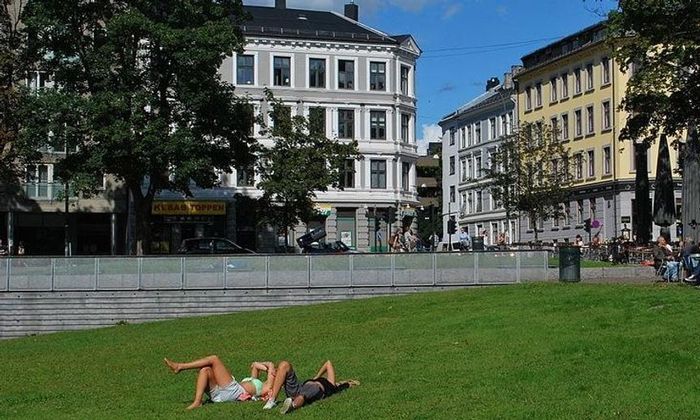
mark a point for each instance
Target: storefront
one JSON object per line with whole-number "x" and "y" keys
{"x": 175, "y": 221}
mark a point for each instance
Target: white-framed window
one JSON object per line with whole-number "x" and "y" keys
{"x": 504, "y": 124}
{"x": 590, "y": 78}
{"x": 405, "y": 176}
{"x": 318, "y": 73}
{"x": 607, "y": 160}
{"x": 405, "y": 127}
{"x": 245, "y": 69}
{"x": 564, "y": 85}
{"x": 567, "y": 214}
{"x": 553, "y": 90}
{"x": 556, "y": 133}
{"x": 578, "y": 123}
{"x": 470, "y": 135}
{"x": 452, "y": 165}
{"x": 282, "y": 71}
{"x": 492, "y": 128}
{"x": 528, "y": 98}
{"x": 479, "y": 201}
{"x": 538, "y": 95}
{"x": 346, "y": 123}
{"x": 39, "y": 80}
{"x": 346, "y": 74}
{"x": 578, "y": 162}
{"x": 591, "y": 164}
{"x": 452, "y": 137}
{"x": 452, "y": 194}
{"x": 565, "y": 126}
{"x": 590, "y": 117}
{"x": 463, "y": 201}
{"x": 605, "y": 71}
{"x": 607, "y": 115}
{"x": 477, "y": 133}
{"x": 405, "y": 79}
{"x": 377, "y": 125}
{"x": 347, "y": 174}
{"x": 577, "y": 81}
{"x": 377, "y": 76}
{"x": 378, "y": 174}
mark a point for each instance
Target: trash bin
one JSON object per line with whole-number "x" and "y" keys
{"x": 570, "y": 264}
{"x": 478, "y": 243}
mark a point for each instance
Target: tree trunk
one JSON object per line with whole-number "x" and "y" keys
{"x": 691, "y": 186}
{"x": 642, "y": 220}
{"x": 142, "y": 221}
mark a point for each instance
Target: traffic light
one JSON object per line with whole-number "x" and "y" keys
{"x": 587, "y": 225}
{"x": 391, "y": 215}
{"x": 451, "y": 226}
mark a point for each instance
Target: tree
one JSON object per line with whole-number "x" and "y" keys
{"x": 664, "y": 198}
{"x": 530, "y": 174}
{"x": 301, "y": 162}
{"x": 11, "y": 96}
{"x": 143, "y": 78}
{"x": 658, "y": 43}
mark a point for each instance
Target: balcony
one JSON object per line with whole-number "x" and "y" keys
{"x": 46, "y": 191}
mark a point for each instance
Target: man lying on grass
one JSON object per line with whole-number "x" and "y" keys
{"x": 309, "y": 391}
{"x": 216, "y": 380}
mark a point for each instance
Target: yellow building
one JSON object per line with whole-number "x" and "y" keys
{"x": 576, "y": 86}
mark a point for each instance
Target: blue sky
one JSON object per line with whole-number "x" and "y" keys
{"x": 465, "y": 42}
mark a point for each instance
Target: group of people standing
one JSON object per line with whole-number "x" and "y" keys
{"x": 216, "y": 381}
{"x": 404, "y": 240}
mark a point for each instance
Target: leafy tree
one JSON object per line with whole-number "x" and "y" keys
{"x": 301, "y": 162}
{"x": 11, "y": 72}
{"x": 657, "y": 41}
{"x": 142, "y": 78}
{"x": 530, "y": 174}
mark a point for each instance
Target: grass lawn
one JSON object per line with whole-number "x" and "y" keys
{"x": 544, "y": 351}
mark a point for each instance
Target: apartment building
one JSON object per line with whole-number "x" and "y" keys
{"x": 361, "y": 82}
{"x": 576, "y": 86}
{"x": 471, "y": 135}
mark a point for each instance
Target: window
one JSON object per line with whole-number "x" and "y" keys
{"x": 282, "y": 120}
{"x": 470, "y": 203}
{"x": 606, "y": 160}
{"x": 578, "y": 123}
{"x": 556, "y": 133}
{"x": 577, "y": 81}
{"x": 282, "y": 71}
{"x": 377, "y": 76}
{"x": 317, "y": 72}
{"x": 579, "y": 166}
{"x": 452, "y": 193}
{"x": 567, "y": 214}
{"x": 591, "y": 164}
{"x": 589, "y": 76}
{"x": 452, "y": 165}
{"x": 553, "y": 90}
{"x": 378, "y": 174}
{"x": 39, "y": 80}
{"x": 405, "y": 176}
{"x": 591, "y": 119}
{"x": 346, "y": 74}
{"x": 504, "y": 124}
{"x": 477, "y": 133}
{"x": 463, "y": 169}
{"x": 528, "y": 98}
{"x": 245, "y": 70}
{"x": 470, "y": 167}
{"x": 347, "y": 174}
{"x": 605, "y": 64}
{"x": 249, "y": 111}
{"x": 245, "y": 177}
{"x": 377, "y": 125}
{"x": 452, "y": 137}
{"x": 479, "y": 201}
{"x": 346, "y": 123}
{"x": 405, "y": 71}
{"x": 405, "y": 124}
{"x": 462, "y": 137}
{"x": 565, "y": 85}
{"x": 463, "y": 202}
{"x": 591, "y": 208}
{"x": 470, "y": 135}
{"x": 477, "y": 166}
{"x": 538, "y": 95}
{"x": 607, "y": 119}
{"x": 317, "y": 121}
{"x": 579, "y": 213}
{"x": 565, "y": 126}
{"x": 492, "y": 128}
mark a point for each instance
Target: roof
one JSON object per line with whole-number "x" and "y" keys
{"x": 312, "y": 24}
{"x": 490, "y": 96}
{"x": 568, "y": 45}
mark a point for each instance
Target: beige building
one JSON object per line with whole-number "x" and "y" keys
{"x": 576, "y": 86}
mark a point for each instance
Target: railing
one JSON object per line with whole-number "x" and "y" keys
{"x": 43, "y": 190}
{"x": 270, "y": 271}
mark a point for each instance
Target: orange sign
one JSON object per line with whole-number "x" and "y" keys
{"x": 189, "y": 208}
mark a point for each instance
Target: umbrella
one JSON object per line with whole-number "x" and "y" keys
{"x": 664, "y": 197}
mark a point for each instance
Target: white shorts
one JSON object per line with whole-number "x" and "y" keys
{"x": 231, "y": 392}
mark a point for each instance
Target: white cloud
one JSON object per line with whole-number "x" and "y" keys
{"x": 431, "y": 133}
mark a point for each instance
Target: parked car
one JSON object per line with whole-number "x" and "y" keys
{"x": 337, "y": 247}
{"x": 211, "y": 246}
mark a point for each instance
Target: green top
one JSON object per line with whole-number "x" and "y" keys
{"x": 257, "y": 383}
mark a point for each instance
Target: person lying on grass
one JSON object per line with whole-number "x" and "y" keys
{"x": 216, "y": 380}
{"x": 309, "y": 391}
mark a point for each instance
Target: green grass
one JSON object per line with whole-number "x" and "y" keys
{"x": 544, "y": 351}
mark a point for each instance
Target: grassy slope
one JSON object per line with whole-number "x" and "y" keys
{"x": 532, "y": 351}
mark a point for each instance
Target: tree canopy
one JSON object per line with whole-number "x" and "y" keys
{"x": 142, "y": 78}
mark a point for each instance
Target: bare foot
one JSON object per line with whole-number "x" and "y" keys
{"x": 194, "y": 405}
{"x": 172, "y": 366}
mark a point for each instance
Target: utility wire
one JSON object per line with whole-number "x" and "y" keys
{"x": 492, "y": 45}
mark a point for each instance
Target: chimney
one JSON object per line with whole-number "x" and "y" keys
{"x": 492, "y": 82}
{"x": 352, "y": 11}
{"x": 280, "y": 4}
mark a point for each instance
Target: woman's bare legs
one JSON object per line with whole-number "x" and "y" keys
{"x": 283, "y": 368}
{"x": 212, "y": 372}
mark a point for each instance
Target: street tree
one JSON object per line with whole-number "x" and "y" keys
{"x": 300, "y": 162}
{"x": 142, "y": 78}
{"x": 530, "y": 174}
{"x": 657, "y": 43}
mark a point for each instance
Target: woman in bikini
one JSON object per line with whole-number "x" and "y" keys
{"x": 216, "y": 380}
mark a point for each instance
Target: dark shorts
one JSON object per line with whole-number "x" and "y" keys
{"x": 311, "y": 391}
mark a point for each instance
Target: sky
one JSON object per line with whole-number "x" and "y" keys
{"x": 465, "y": 42}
